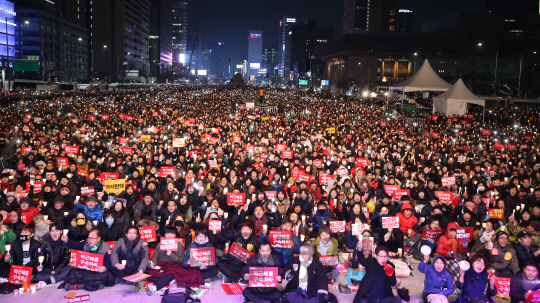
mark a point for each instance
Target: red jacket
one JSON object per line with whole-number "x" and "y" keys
{"x": 407, "y": 223}
{"x": 28, "y": 214}
{"x": 445, "y": 245}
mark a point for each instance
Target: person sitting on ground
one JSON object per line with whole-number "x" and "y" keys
{"x": 524, "y": 282}
{"x": 24, "y": 251}
{"x": 131, "y": 250}
{"x": 503, "y": 258}
{"x": 54, "y": 267}
{"x": 474, "y": 283}
{"x": 525, "y": 250}
{"x": 208, "y": 272}
{"x": 233, "y": 266}
{"x": 326, "y": 246}
{"x": 263, "y": 259}
{"x": 284, "y": 254}
{"x": 438, "y": 280}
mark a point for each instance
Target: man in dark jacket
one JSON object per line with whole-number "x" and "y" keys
{"x": 24, "y": 250}
{"x": 524, "y": 282}
{"x": 379, "y": 279}
{"x": 58, "y": 213}
{"x": 263, "y": 259}
{"x": 525, "y": 250}
{"x": 233, "y": 266}
{"x": 300, "y": 288}
{"x": 56, "y": 257}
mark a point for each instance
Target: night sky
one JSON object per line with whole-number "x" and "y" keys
{"x": 229, "y": 21}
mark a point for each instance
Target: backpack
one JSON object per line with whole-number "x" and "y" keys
{"x": 178, "y": 296}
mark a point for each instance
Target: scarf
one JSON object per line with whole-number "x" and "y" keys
{"x": 94, "y": 249}
{"x": 486, "y": 237}
{"x": 302, "y": 275}
{"x": 267, "y": 263}
{"x": 323, "y": 248}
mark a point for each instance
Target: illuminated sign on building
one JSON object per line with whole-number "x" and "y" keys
{"x": 254, "y": 65}
{"x": 201, "y": 72}
{"x": 255, "y": 36}
{"x": 290, "y": 20}
{"x": 405, "y": 11}
{"x": 3, "y": 10}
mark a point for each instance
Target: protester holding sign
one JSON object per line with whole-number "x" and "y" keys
{"x": 82, "y": 278}
{"x": 264, "y": 259}
{"x": 503, "y": 258}
{"x": 406, "y": 224}
{"x": 326, "y": 246}
{"x": 283, "y": 253}
{"x": 449, "y": 246}
{"x": 428, "y": 234}
{"x": 319, "y": 218}
{"x": 524, "y": 282}
{"x": 56, "y": 255}
{"x": 474, "y": 283}
{"x": 24, "y": 251}
{"x": 234, "y": 264}
{"x": 129, "y": 255}
{"x": 208, "y": 272}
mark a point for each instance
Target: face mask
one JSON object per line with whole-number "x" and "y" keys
{"x": 81, "y": 221}
{"x": 328, "y": 163}
{"x": 79, "y": 160}
{"x": 23, "y": 238}
{"x": 109, "y": 221}
{"x": 69, "y": 176}
{"x": 179, "y": 223}
{"x": 481, "y": 188}
{"x": 113, "y": 165}
{"x": 322, "y": 212}
{"x": 284, "y": 164}
{"x": 437, "y": 216}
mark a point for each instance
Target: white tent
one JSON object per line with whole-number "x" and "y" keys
{"x": 425, "y": 79}
{"x": 454, "y": 101}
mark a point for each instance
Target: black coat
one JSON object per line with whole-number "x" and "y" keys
{"x": 372, "y": 266}
{"x": 17, "y": 253}
{"x": 317, "y": 279}
{"x": 111, "y": 233}
{"x": 523, "y": 254}
{"x": 273, "y": 261}
{"x": 518, "y": 284}
{"x": 57, "y": 256}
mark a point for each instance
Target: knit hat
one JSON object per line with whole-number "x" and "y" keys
{"x": 59, "y": 199}
{"x": 500, "y": 233}
{"x": 12, "y": 194}
{"x": 91, "y": 198}
{"x": 26, "y": 200}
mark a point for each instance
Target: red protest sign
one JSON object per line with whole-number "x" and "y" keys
{"x": 87, "y": 260}
{"x": 499, "y": 146}
{"x": 148, "y": 233}
{"x": 358, "y": 229}
{"x": 71, "y": 149}
{"x": 25, "y": 150}
{"x": 383, "y": 123}
{"x": 390, "y": 222}
{"x": 324, "y": 177}
{"x": 433, "y": 234}
{"x": 236, "y": 198}
{"x": 214, "y": 225}
{"x": 179, "y": 142}
{"x": 296, "y": 172}
{"x": 389, "y": 189}
{"x": 239, "y": 252}
{"x": 168, "y": 244}
{"x": 400, "y": 193}
{"x": 237, "y": 139}
{"x": 109, "y": 176}
{"x": 263, "y": 277}
{"x": 287, "y": 154}
{"x": 304, "y": 177}
{"x": 464, "y": 233}
{"x": 337, "y": 226}
{"x": 362, "y": 162}
{"x": 104, "y": 117}
{"x": 123, "y": 140}
{"x": 167, "y": 171}
{"x": 204, "y": 255}
{"x": 448, "y": 181}
{"x": 37, "y": 186}
{"x": 367, "y": 244}
{"x": 62, "y": 162}
{"x": 232, "y": 288}
{"x": 280, "y": 147}
{"x": 496, "y": 213}
{"x": 486, "y": 131}
{"x": 533, "y": 296}
{"x": 281, "y": 239}
{"x": 87, "y": 191}
{"x": 82, "y": 173}
{"x": 511, "y": 146}
{"x": 318, "y": 163}
{"x": 435, "y": 135}
{"x": 444, "y": 196}
{"x": 77, "y": 299}
{"x": 503, "y": 286}
{"x": 92, "y": 117}
{"x": 270, "y": 194}
{"x": 127, "y": 151}
{"x": 20, "y": 274}
{"x": 329, "y": 260}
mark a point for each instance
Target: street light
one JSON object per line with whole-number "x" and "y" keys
{"x": 80, "y": 39}
{"x": 479, "y": 43}
{"x": 104, "y": 46}
{"x": 26, "y": 22}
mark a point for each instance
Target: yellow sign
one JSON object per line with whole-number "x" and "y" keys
{"x": 114, "y": 186}
{"x": 145, "y": 138}
{"x": 331, "y": 130}
{"x": 265, "y": 118}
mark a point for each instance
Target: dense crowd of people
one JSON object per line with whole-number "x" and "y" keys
{"x": 354, "y": 188}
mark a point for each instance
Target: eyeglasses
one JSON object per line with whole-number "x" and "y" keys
{"x": 382, "y": 257}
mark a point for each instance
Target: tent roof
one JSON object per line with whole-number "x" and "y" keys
{"x": 425, "y": 79}
{"x": 459, "y": 92}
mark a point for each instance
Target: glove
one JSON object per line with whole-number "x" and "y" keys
{"x": 386, "y": 237}
{"x": 465, "y": 242}
{"x": 450, "y": 254}
{"x": 323, "y": 298}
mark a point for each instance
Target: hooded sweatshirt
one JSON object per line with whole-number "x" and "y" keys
{"x": 406, "y": 224}
{"x": 437, "y": 282}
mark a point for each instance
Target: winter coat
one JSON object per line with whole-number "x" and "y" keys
{"x": 505, "y": 262}
{"x": 436, "y": 282}
{"x": 317, "y": 281}
{"x": 474, "y": 286}
{"x": 28, "y": 214}
{"x": 175, "y": 257}
{"x": 525, "y": 253}
{"x": 333, "y": 250}
{"x": 250, "y": 244}
{"x": 372, "y": 266}
{"x": 143, "y": 211}
{"x": 94, "y": 214}
{"x": 256, "y": 261}
{"x": 17, "y": 253}
{"x": 445, "y": 244}
{"x": 319, "y": 220}
{"x": 270, "y": 219}
{"x": 285, "y": 254}
{"x": 56, "y": 257}
{"x": 519, "y": 285}
{"x": 140, "y": 253}
{"x": 57, "y": 215}
{"x": 187, "y": 256}
{"x": 406, "y": 224}
{"x": 111, "y": 233}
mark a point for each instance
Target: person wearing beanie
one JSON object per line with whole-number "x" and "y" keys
{"x": 9, "y": 204}
{"x": 27, "y": 210}
{"x": 503, "y": 258}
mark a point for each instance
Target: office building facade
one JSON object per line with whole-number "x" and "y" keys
{"x": 370, "y": 15}
{"x": 160, "y": 39}
{"x": 255, "y": 43}
{"x": 179, "y": 39}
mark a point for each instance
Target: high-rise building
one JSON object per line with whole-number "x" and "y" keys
{"x": 404, "y": 20}
{"x": 297, "y": 45}
{"x": 270, "y": 59}
{"x": 160, "y": 39}
{"x": 45, "y": 34}
{"x": 369, "y": 15}
{"x": 120, "y": 31}
{"x": 284, "y": 59}
{"x": 255, "y": 40}
{"x": 513, "y": 15}
{"x": 219, "y": 60}
{"x": 179, "y": 39}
